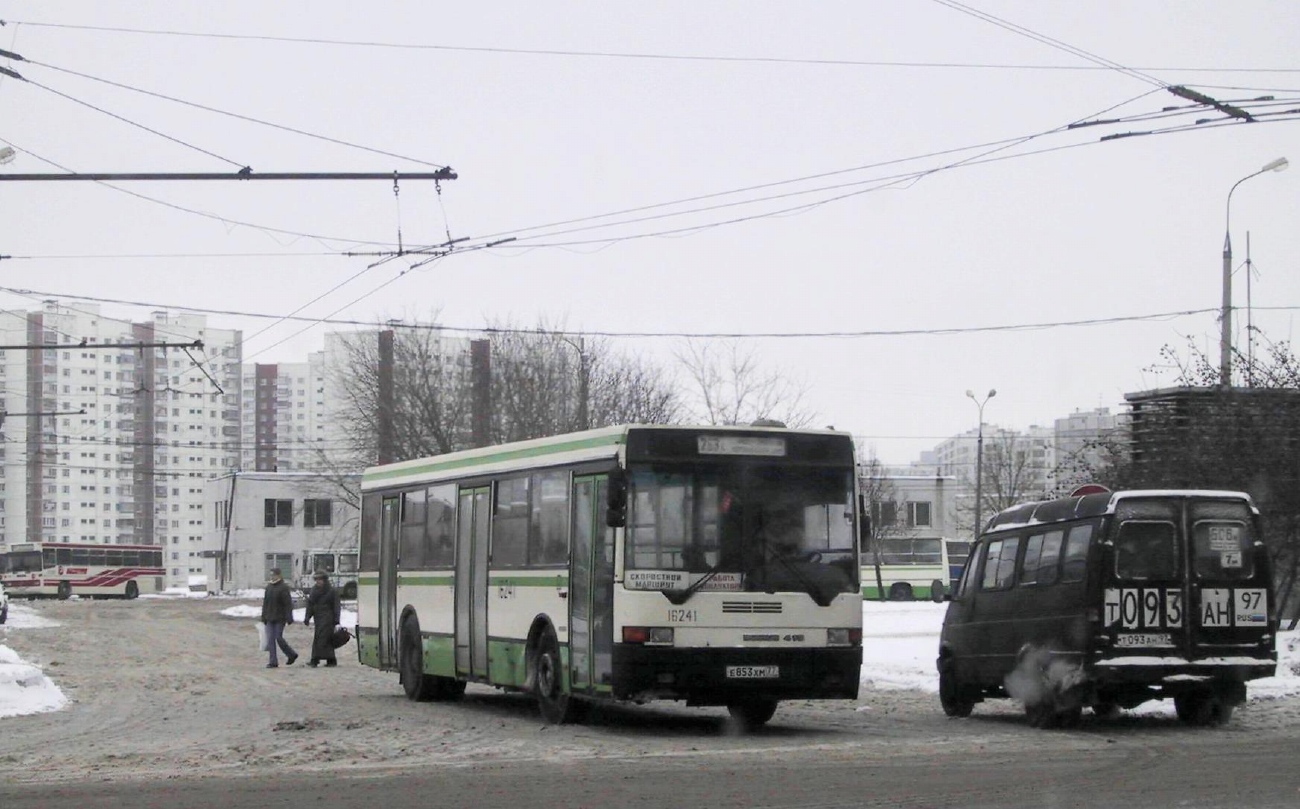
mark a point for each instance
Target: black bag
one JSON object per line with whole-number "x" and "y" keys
{"x": 341, "y": 637}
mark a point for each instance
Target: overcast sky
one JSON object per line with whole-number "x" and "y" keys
{"x": 560, "y": 112}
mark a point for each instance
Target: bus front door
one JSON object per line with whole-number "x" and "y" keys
{"x": 390, "y": 521}
{"x": 472, "y": 583}
{"x": 591, "y": 589}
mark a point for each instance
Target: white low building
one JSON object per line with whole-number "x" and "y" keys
{"x": 263, "y": 520}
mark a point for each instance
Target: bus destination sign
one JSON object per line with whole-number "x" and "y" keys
{"x": 769, "y": 446}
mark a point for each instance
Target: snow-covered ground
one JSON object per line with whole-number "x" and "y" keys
{"x": 898, "y": 650}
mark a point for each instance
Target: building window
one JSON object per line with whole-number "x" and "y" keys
{"x": 317, "y": 513}
{"x": 278, "y": 513}
{"x": 918, "y": 514}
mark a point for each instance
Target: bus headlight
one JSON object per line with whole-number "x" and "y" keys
{"x": 648, "y": 635}
{"x": 843, "y": 637}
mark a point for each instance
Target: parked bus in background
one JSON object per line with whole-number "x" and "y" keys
{"x": 912, "y": 568}
{"x": 341, "y": 565}
{"x": 63, "y": 569}
{"x": 710, "y": 565}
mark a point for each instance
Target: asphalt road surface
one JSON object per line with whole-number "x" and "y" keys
{"x": 172, "y": 707}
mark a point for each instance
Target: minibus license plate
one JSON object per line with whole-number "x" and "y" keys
{"x": 1144, "y": 639}
{"x": 753, "y": 672}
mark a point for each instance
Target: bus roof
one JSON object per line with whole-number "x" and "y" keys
{"x": 589, "y": 445}
{"x": 1095, "y": 505}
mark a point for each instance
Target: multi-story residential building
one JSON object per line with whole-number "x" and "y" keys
{"x": 1081, "y": 444}
{"x": 283, "y": 416}
{"x": 112, "y": 435}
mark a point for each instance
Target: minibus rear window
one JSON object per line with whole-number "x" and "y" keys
{"x": 1147, "y": 550}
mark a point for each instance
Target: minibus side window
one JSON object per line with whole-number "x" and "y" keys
{"x": 991, "y": 553}
{"x": 1049, "y": 563}
{"x": 1029, "y": 567}
{"x": 1074, "y": 564}
{"x": 1146, "y": 549}
{"x": 968, "y": 573}
{"x": 1000, "y": 565}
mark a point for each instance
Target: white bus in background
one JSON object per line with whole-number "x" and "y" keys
{"x": 341, "y": 565}
{"x": 64, "y": 569}
{"x": 711, "y": 565}
{"x": 912, "y": 568}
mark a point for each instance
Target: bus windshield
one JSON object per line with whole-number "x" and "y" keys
{"x": 21, "y": 562}
{"x": 772, "y": 527}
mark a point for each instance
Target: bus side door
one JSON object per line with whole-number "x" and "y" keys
{"x": 591, "y": 588}
{"x": 390, "y": 522}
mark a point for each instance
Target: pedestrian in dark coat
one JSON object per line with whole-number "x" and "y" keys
{"x": 324, "y": 608}
{"x": 277, "y": 612}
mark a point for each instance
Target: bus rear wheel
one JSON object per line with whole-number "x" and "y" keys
{"x": 900, "y": 591}
{"x": 132, "y": 590}
{"x": 752, "y": 714}
{"x": 350, "y": 590}
{"x": 65, "y": 590}
{"x": 548, "y": 681}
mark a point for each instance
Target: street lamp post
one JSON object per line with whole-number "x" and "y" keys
{"x": 979, "y": 455}
{"x": 583, "y": 382}
{"x": 1225, "y": 316}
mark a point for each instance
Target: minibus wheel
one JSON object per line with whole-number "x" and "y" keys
{"x": 1106, "y": 710}
{"x": 951, "y": 696}
{"x": 1203, "y": 708}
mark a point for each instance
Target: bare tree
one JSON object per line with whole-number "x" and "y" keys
{"x": 730, "y": 386}
{"x": 1009, "y": 474}
{"x": 886, "y": 510}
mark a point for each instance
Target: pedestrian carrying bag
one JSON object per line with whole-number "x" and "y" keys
{"x": 341, "y": 637}
{"x": 261, "y": 637}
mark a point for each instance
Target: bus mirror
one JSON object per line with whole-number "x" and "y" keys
{"x": 864, "y": 523}
{"x": 616, "y": 499}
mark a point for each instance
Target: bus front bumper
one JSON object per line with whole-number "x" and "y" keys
{"x": 721, "y": 676}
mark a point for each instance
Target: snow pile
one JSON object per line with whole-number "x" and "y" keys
{"x": 24, "y": 688}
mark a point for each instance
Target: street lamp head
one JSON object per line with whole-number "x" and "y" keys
{"x": 1277, "y": 165}
{"x": 970, "y": 393}
{"x": 992, "y": 393}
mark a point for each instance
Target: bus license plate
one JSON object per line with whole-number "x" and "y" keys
{"x": 753, "y": 672}
{"x": 1144, "y": 639}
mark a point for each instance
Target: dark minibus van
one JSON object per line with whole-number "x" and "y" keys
{"x": 1109, "y": 599}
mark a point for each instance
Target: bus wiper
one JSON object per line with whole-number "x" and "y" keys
{"x": 817, "y": 594}
{"x": 679, "y": 597}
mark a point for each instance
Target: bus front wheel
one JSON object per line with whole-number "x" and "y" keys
{"x": 752, "y": 714}
{"x": 900, "y": 591}
{"x": 350, "y": 590}
{"x": 65, "y": 590}
{"x": 419, "y": 687}
{"x": 548, "y": 680}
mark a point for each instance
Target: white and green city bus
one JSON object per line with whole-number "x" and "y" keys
{"x": 910, "y": 568}
{"x": 711, "y": 565}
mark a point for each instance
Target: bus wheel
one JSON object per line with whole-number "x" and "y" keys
{"x": 900, "y": 591}
{"x": 419, "y": 686}
{"x": 65, "y": 590}
{"x": 1203, "y": 709}
{"x": 951, "y": 696}
{"x": 752, "y": 714}
{"x": 350, "y": 590}
{"x": 548, "y": 680}
{"x": 936, "y": 591}
{"x": 132, "y": 590}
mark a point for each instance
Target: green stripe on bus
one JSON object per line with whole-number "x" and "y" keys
{"x": 529, "y": 581}
{"x": 496, "y": 457}
{"x": 919, "y": 593}
{"x": 425, "y": 581}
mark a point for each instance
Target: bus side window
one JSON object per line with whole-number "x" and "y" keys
{"x": 1075, "y": 559}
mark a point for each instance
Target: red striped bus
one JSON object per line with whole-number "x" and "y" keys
{"x": 64, "y": 569}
